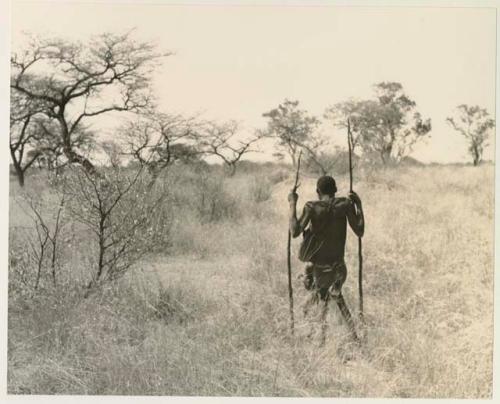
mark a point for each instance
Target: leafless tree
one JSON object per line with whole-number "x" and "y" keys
{"x": 220, "y": 140}
{"x": 74, "y": 82}
{"x": 158, "y": 140}
{"x": 474, "y": 123}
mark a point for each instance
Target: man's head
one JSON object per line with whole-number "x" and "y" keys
{"x": 326, "y": 186}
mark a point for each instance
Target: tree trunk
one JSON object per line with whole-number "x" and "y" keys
{"x": 476, "y": 158}
{"x": 155, "y": 173}
{"x": 74, "y": 157}
{"x": 232, "y": 169}
{"x": 387, "y": 152}
{"x": 20, "y": 176}
{"x": 19, "y": 170}
{"x": 71, "y": 155}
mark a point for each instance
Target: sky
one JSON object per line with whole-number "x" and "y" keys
{"x": 239, "y": 61}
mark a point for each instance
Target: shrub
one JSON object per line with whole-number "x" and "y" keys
{"x": 118, "y": 207}
{"x": 260, "y": 189}
{"x": 213, "y": 202}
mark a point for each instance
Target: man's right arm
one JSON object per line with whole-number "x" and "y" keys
{"x": 297, "y": 226}
{"x": 355, "y": 215}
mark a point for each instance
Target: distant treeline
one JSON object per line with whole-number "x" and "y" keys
{"x": 60, "y": 87}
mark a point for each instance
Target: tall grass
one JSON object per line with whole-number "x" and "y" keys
{"x": 207, "y": 315}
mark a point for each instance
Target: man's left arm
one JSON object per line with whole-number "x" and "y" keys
{"x": 355, "y": 214}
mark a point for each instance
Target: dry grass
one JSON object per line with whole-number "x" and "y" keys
{"x": 209, "y": 315}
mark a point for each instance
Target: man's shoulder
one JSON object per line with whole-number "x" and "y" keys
{"x": 313, "y": 204}
{"x": 338, "y": 203}
{"x": 342, "y": 202}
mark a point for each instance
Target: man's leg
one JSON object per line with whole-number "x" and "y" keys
{"x": 325, "y": 299}
{"x": 309, "y": 285}
{"x": 311, "y": 300}
{"x": 335, "y": 292}
{"x": 346, "y": 314}
{"x": 309, "y": 277}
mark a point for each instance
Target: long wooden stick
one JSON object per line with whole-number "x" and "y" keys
{"x": 289, "y": 255}
{"x": 360, "y": 278}
{"x": 349, "y": 144}
{"x": 360, "y": 243}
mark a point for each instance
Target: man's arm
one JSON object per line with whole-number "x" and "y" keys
{"x": 297, "y": 226}
{"x": 355, "y": 215}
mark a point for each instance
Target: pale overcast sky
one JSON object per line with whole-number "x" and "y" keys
{"x": 236, "y": 62}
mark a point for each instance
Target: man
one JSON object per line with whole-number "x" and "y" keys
{"x": 324, "y": 242}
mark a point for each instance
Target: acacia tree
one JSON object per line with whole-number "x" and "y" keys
{"x": 388, "y": 125}
{"x": 219, "y": 139}
{"x": 75, "y": 81}
{"x": 157, "y": 140}
{"x": 293, "y": 128}
{"x": 474, "y": 123}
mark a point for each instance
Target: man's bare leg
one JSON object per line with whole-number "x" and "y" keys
{"x": 324, "y": 324}
{"x": 312, "y": 300}
{"x": 309, "y": 303}
{"x": 347, "y": 315}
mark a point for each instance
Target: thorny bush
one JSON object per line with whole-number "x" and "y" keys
{"x": 118, "y": 207}
{"x": 110, "y": 219}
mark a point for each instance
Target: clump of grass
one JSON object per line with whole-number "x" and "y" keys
{"x": 177, "y": 304}
{"x": 260, "y": 189}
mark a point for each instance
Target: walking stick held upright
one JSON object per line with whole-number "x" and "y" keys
{"x": 289, "y": 256}
{"x": 360, "y": 244}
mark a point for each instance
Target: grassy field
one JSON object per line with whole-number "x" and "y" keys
{"x": 208, "y": 313}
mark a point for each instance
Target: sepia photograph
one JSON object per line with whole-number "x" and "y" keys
{"x": 249, "y": 199}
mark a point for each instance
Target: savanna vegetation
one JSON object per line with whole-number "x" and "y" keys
{"x": 154, "y": 263}
{"x": 206, "y": 311}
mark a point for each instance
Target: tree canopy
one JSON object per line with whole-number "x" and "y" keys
{"x": 388, "y": 125}
{"x": 71, "y": 82}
